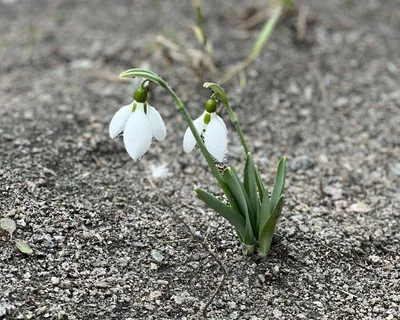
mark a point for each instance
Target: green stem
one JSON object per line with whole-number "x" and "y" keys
{"x": 181, "y": 108}
{"x": 235, "y": 122}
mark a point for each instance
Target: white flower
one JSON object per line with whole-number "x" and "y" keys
{"x": 140, "y": 122}
{"x": 215, "y": 135}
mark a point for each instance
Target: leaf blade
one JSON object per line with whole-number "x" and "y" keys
{"x": 268, "y": 230}
{"x": 23, "y": 247}
{"x": 238, "y": 193}
{"x": 222, "y": 209}
{"x": 279, "y": 182}
{"x": 260, "y": 185}
{"x": 250, "y": 184}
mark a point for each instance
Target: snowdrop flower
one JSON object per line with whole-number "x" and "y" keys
{"x": 140, "y": 122}
{"x": 214, "y": 132}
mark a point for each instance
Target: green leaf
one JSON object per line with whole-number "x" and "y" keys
{"x": 260, "y": 185}
{"x": 232, "y": 216}
{"x": 250, "y": 184}
{"x": 221, "y": 95}
{"x": 8, "y": 225}
{"x": 239, "y": 195}
{"x": 265, "y": 33}
{"x": 279, "y": 182}
{"x": 252, "y": 211}
{"x": 23, "y": 247}
{"x": 265, "y": 213}
{"x": 268, "y": 230}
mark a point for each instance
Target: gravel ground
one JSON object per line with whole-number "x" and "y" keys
{"x": 105, "y": 247}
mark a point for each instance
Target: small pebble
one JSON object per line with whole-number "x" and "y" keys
{"x": 157, "y": 256}
{"x": 301, "y": 162}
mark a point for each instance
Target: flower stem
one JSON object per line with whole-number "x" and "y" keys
{"x": 235, "y": 122}
{"x": 181, "y": 108}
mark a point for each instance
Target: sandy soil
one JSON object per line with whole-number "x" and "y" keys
{"x": 104, "y": 245}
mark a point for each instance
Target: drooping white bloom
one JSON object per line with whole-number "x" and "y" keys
{"x": 140, "y": 122}
{"x": 215, "y": 135}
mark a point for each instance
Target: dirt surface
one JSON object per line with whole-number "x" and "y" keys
{"x": 106, "y": 248}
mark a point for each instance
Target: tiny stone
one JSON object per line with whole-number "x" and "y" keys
{"x": 179, "y": 299}
{"x": 277, "y": 313}
{"x": 55, "y": 280}
{"x": 232, "y": 305}
{"x": 359, "y": 207}
{"x": 319, "y": 304}
{"x": 335, "y": 193}
{"x": 301, "y": 162}
{"x": 196, "y": 257}
{"x": 374, "y": 258}
{"x": 65, "y": 284}
{"x": 149, "y": 306}
{"x": 397, "y": 169}
{"x": 157, "y": 256}
{"x": 101, "y": 284}
{"x": 162, "y": 282}
{"x": 155, "y": 294}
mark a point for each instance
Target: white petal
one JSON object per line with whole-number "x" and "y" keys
{"x": 137, "y": 134}
{"x": 216, "y": 138}
{"x": 119, "y": 120}
{"x": 156, "y": 123}
{"x": 189, "y": 142}
{"x": 222, "y": 122}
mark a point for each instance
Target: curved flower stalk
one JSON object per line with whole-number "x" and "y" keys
{"x": 140, "y": 122}
{"x": 252, "y": 210}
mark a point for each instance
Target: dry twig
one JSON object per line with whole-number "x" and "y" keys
{"x": 302, "y": 17}
{"x": 321, "y": 83}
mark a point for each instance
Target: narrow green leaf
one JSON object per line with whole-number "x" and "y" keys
{"x": 23, "y": 247}
{"x": 279, "y": 182}
{"x": 250, "y": 184}
{"x": 268, "y": 230}
{"x": 265, "y": 33}
{"x": 260, "y": 185}
{"x": 239, "y": 195}
{"x": 232, "y": 216}
{"x": 234, "y": 186}
{"x": 265, "y": 213}
{"x": 252, "y": 211}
